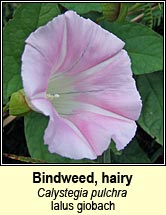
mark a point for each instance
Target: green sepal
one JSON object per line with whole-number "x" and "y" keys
{"x": 18, "y": 105}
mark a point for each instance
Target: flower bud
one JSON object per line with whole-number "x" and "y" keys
{"x": 18, "y": 105}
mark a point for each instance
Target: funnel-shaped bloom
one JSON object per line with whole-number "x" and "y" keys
{"x": 78, "y": 74}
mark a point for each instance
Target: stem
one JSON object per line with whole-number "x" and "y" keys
{"x": 107, "y": 156}
{"x": 137, "y": 18}
{"x": 23, "y": 159}
{"x": 8, "y": 120}
{"x": 135, "y": 6}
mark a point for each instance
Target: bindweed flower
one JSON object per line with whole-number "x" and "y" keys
{"x": 78, "y": 74}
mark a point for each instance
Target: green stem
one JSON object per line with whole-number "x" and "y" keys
{"x": 23, "y": 159}
{"x": 107, "y": 156}
{"x": 134, "y": 7}
{"x": 159, "y": 5}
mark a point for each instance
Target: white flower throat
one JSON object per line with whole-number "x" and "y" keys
{"x": 59, "y": 93}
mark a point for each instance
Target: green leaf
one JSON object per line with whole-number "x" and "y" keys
{"x": 132, "y": 154}
{"x": 144, "y": 46}
{"x": 151, "y": 89}
{"x": 82, "y": 8}
{"x": 28, "y": 17}
{"x": 115, "y": 11}
{"x": 35, "y": 125}
{"x": 93, "y": 15}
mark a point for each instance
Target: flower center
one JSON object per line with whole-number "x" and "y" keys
{"x": 51, "y": 96}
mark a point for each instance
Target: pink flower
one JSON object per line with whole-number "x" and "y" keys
{"x": 77, "y": 73}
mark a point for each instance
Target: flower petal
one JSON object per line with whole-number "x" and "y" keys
{"x": 61, "y": 135}
{"x": 125, "y": 103}
{"x": 63, "y": 138}
{"x": 109, "y": 85}
{"x": 44, "y": 106}
{"x": 71, "y": 41}
{"x": 56, "y": 47}
{"x": 99, "y": 129}
{"x": 35, "y": 72}
{"x": 50, "y": 40}
{"x": 85, "y": 40}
